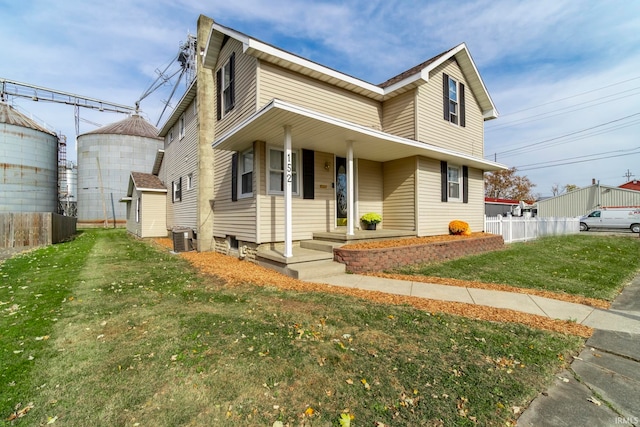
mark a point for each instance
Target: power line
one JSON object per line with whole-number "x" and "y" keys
{"x": 578, "y": 161}
{"x": 570, "y": 97}
{"x": 578, "y": 157}
{"x": 564, "y": 111}
{"x": 566, "y": 135}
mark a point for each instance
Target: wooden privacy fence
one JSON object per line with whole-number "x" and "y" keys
{"x": 521, "y": 229}
{"x": 19, "y": 231}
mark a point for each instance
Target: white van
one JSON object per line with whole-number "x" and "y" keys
{"x": 613, "y": 217}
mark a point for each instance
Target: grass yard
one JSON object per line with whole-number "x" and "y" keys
{"x": 590, "y": 266}
{"x": 108, "y": 331}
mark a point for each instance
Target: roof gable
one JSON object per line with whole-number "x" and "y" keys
{"x": 397, "y": 85}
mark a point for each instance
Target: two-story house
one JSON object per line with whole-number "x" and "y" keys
{"x": 267, "y": 149}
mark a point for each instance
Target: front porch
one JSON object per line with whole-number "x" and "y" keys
{"x": 315, "y": 258}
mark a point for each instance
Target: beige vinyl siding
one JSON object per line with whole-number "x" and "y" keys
{"x": 433, "y": 129}
{"x": 369, "y": 189}
{"x": 399, "y": 194}
{"x": 181, "y": 159}
{"x": 245, "y": 87}
{"x": 237, "y": 218}
{"x": 309, "y": 215}
{"x": 399, "y": 115}
{"x": 276, "y": 82}
{"x": 152, "y": 214}
{"x": 434, "y": 216}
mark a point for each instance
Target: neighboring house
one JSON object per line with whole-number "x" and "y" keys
{"x": 632, "y": 185}
{"x": 267, "y": 148}
{"x": 583, "y": 200}
{"x": 146, "y": 205}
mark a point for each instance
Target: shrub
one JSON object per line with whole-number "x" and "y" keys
{"x": 371, "y": 218}
{"x": 459, "y": 228}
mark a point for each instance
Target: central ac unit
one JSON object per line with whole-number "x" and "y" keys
{"x": 182, "y": 240}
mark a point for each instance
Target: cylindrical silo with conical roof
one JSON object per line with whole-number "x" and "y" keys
{"x": 28, "y": 164}
{"x": 106, "y": 158}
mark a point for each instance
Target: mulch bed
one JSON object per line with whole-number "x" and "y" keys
{"x": 235, "y": 272}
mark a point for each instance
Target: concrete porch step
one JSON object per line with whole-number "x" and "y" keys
{"x": 315, "y": 269}
{"x": 320, "y": 245}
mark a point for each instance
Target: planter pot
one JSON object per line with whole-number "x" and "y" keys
{"x": 370, "y": 226}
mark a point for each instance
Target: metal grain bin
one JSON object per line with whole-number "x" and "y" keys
{"x": 106, "y": 157}
{"x": 28, "y": 164}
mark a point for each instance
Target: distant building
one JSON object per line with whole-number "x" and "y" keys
{"x": 496, "y": 206}
{"x": 632, "y": 185}
{"x": 583, "y": 200}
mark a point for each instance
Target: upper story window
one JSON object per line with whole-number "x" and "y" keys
{"x": 453, "y": 100}
{"x": 190, "y": 181}
{"x": 278, "y": 173}
{"x": 225, "y": 86}
{"x": 176, "y": 193}
{"x": 245, "y": 168}
{"x": 181, "y": 127}
{"x": 170, "y": 136}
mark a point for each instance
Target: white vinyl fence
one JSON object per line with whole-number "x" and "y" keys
{"x": 521, "y": 229}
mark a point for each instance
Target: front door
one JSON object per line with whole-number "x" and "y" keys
{"x": 341, "y": 191}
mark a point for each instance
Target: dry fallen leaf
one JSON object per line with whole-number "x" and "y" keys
{"x": 594, "y": 401}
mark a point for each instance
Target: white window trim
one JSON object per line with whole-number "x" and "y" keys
{"x": 181, "y": 126}
{"x": 177, "y": 183}
{"x": 241, "y": 172}
{"x": 457, "y": 101}
{"x": 138, "y": 209}
{"x": 460, "y": 189}
{"x": 190, "y": 181}
{"x": 268, "y": 171}
{"x": 171, "y": 136}
{"x": 224, "y": 85}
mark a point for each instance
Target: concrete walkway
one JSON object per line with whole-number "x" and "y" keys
{"x": 601, "y": 386}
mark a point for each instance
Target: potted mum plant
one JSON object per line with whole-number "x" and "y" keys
{"x": 370, "y": 220}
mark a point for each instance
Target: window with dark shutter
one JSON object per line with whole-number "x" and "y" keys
{"x": 462, "y": 114}
{"x": 308, "y": 174}
{"x": 444, "y": 182}
{"x": 465, "y": 184}
{"x": 219, "y": 93}
{"x": 226, "y": 87}
{"x": 445, "y": 96}
{"x": 234, "y": 177}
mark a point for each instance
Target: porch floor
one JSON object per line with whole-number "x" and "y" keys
{"x": 340, "y": 235}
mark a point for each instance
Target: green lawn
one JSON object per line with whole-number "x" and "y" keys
{"x": 107, "y": 331}
{"x": 590, "y": 266}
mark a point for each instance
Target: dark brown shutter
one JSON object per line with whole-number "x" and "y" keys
{"x": 219, "y": 93}
{"x": 462, "y": 119}
{"x": 234, "y": 177}
{"x": 232, "y": 82}
{"x": 180, "y": 189}
{"x": 445, "y": 96}
{"x": 465, "y": 184}
{"x": 444, "y": 182}
{"x": 308, "y": 174}
{"x": 173, "y": 191}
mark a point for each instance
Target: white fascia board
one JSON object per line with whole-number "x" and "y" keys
{"x": 259, "y": 46}
{"x": 152, "y": 190}
{"x": 278, "y": 104}
{"x": 421, "y": 77}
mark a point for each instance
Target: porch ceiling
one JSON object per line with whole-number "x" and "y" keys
{"x": 319, "y": 132}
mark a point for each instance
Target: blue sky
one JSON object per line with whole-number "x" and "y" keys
{"x": 564, "y": 75}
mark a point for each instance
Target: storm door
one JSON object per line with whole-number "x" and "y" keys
{"x": 341, "y": 191}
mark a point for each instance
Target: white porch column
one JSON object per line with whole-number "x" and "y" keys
{"x": 350, "y": 191}
{"x": 288, "y": 177}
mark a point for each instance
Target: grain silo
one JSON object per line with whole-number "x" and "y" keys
{"x": 106, "y": 157}
{"x": 28, "y": 164}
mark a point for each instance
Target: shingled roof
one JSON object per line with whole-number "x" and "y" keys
{"x": 413, "y": 70}
{"x": 147, "y": 181}
{"x": 133, "y": 126}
